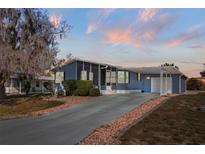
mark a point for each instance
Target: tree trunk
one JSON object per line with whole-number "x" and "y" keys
{"x": 2, "y": 91}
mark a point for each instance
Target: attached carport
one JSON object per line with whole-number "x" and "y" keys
{"x": 163, "y": 79}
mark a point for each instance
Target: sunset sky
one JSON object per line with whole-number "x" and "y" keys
{"x": 136, "y": 37}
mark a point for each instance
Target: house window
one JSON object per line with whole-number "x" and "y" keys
{"x": 127, "y": 77}
{"x": 59, "y": 77}
{"x": 83, "y": 75}
{"x": 37, "y": 84}
{"x": 91, "y": 76}
{"x": 113, "y": 77}
{"x": 138, "y": 76}
{"x": 121, "y": 76}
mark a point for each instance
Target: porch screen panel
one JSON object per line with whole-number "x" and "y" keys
{"x": 107, "y": 77}
{"x": 113, "y": 77}
{"x": 83, "y": 75}
{"x": 91, "y": 76}
{"x": 127, "y": 77}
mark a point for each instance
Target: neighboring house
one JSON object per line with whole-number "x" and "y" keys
{"x": 114, "y": 79}
{"x": 14, "y": 85}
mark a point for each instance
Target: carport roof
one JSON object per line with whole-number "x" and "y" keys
{"x": 156, "y": 70}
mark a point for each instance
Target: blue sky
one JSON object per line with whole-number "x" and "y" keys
{"x": 136, "y": 37}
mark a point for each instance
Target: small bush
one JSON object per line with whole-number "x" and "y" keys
{"x": 70, "y": 86}
{"x": 84, "y": 84}
{"x": 81, "y": 92}
{"x": 77, "y": 88}
{"x": 94, "y": 92}
{"x": 60, "y": 92}
{"x": 76, "y": 92}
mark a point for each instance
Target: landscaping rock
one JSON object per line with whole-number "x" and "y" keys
{"x": 108, "y": 134}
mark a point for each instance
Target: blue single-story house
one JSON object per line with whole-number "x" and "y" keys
{"x": 114, "y": 79}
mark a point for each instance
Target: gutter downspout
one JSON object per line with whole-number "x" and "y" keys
{"x": 99, "y": 77}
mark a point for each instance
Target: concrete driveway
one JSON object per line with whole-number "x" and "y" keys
{"x": 70, "y": 125}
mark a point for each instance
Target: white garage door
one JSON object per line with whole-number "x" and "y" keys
{"x": 155, "y": 85}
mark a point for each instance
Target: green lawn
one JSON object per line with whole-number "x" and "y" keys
{"x": 17, "y": 105}
{"x": 180, "y": 120}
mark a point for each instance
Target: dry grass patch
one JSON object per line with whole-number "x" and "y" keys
{"x": 181, "y": 120}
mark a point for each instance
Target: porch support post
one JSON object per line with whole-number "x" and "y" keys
{"x": 161, "y": 82}
{"x": 166, "y": 88}
{"x": 99, "y": 77}
{"x": 180, "y": 89}
{"x": 185, "y": 85}
{"x": 111, "y": 77}
{"x": 90, "y": 67}
{"x": 83, "y": 66}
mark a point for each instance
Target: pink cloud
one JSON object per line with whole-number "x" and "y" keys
{"x": 196, "y": 27}
{"x": 149, "y": 35}
{"x": 153, "y": 29}
{"x": 118, "y": 36}
{"x": 183, "y": 38}
{"x": 97, "y": 19}
{"x": 147, "y": 14}
{"x": 55, "y": 20}
{"x": 138, "y": 36}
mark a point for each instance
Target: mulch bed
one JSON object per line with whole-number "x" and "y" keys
{"x": 68, "y": 102}
{"x": 108, "y": 134}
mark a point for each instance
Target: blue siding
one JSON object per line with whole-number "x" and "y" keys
{"x": 183, "y": 84}
{"x": 175, "y": 84}
{"x": 147, "y": 85}
{"x": 69, "y": 71}
{"x": 121, "y": 86}
{"x": 133, "y": 84}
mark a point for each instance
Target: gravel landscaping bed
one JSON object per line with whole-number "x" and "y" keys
{"x": 108, "y": 134}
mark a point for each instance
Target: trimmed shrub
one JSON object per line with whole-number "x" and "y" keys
{"x": 81, "y": 92}
{"x": 94, "y": 92}
{"x": 60, "y": 92}
{"x": 83, "y": 87}
{"x": 84, "y": 84}
{"x": 76, "y": 92}
{"x": 70, "y": 86}
{"x": 78, "y": 88}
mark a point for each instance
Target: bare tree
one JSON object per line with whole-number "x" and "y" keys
{"x": 28, "y": 42}
{"x": 62, "y": 61}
